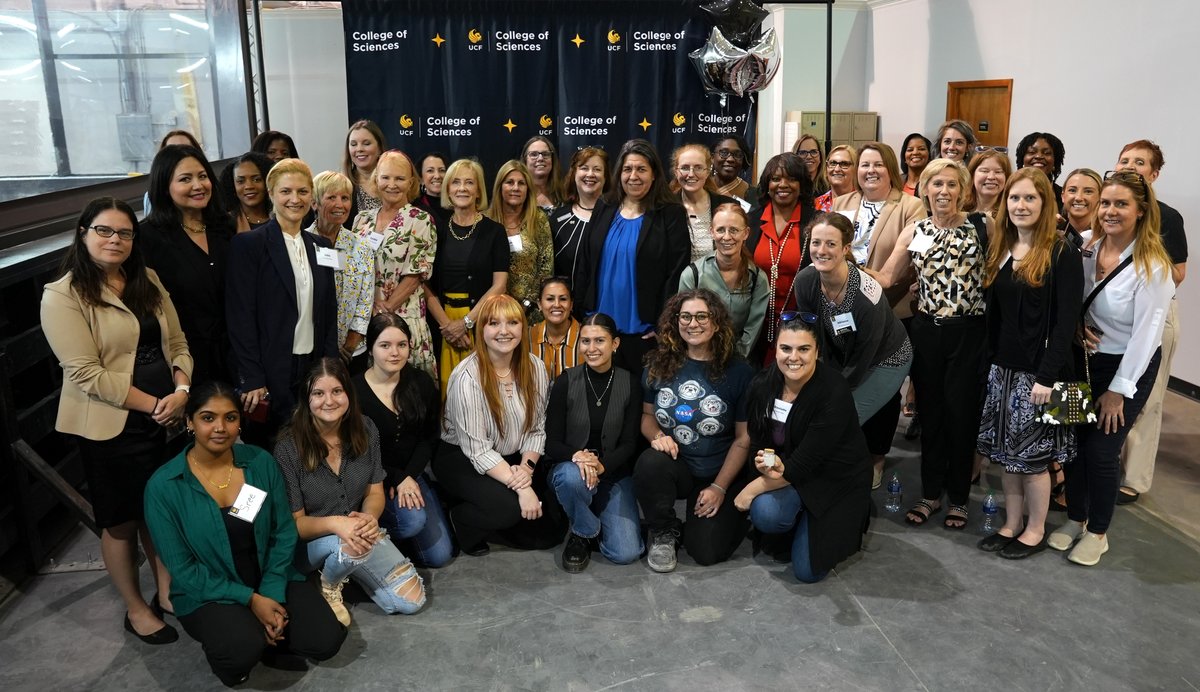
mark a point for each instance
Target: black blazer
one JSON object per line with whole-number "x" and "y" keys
{"x": 663, "y": 250}
{"x": 261, "y": 309}
{"x": 825, "y": 457}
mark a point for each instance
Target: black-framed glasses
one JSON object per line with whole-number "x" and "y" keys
{"x": 539, "y": 155}
{"x": 729, "y": 154}
{"x": 700, "y": 318}
{"x": 108, "y": 231}
{"x": 809, "y": 153}
{"x": 983, "y": 147}
{"x": 844, "y": 165}
{"x": 790, "y": 315}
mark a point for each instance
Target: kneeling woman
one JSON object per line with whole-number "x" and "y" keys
{"x": 694, "y": 416}
{"x": 329, "y": 457}
{"x": 403, "y": 402}
{"x": 494, "y": 434}
{"x": 820, "y": 482}
{"x": 591, "y": 435}
{"x": 219, "y": 516}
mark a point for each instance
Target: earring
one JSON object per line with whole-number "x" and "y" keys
{"x": 190, "y": 432}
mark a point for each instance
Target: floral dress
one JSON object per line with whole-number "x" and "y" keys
{"x": 407, "y": 249}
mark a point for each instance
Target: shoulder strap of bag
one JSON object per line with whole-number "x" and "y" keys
{"x": 980, "y": 223}
{"x": 1087, "y": 302}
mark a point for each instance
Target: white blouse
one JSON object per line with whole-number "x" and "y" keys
{"x": 1131, "y": 311}
{"x": 469, "y": 423}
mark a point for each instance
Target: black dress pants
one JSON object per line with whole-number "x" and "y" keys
{"x": 948, "y": 372}
{"x": 660, "y": 480}
{"x": 234, "y": 640}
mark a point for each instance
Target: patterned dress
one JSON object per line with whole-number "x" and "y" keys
{"x": 531, "y": 265}
{"x": 408, "y": 249}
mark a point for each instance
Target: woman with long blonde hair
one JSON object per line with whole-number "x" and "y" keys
{"x": 530, "y": 246}
{"x": 494, "y": 434}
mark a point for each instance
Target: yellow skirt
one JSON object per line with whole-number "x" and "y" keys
{"x": 450, "y": 357}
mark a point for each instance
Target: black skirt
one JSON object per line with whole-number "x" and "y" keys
{"x": 117, "y": 470}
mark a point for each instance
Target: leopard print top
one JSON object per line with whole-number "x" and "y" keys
{"x": 950, "y": 272}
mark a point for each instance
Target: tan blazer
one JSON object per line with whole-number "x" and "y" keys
{"x": 96, "y": 347}
{"x": 899, "y": 211}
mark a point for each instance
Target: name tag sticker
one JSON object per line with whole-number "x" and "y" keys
{"x": 330, "y": 257}
{"x": 780, "y": 411}
{"x": 375, "y": 239}
{"x": 920, "y": 243}
{"x": 514, "y": 243}
{"x": 248, "y": 502}
{"x": 844, "y": 323}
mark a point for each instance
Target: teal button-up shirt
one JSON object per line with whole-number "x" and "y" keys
{"x": 189, "y": 533}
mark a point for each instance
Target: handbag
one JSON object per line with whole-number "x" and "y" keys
{"x": 1071, "y": 401}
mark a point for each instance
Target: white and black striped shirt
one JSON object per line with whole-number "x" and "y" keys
{"x": 469, "y": 423}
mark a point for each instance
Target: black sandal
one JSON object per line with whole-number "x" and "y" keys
{"x": 920, "y": 512}
{"x": 954, "y": 515}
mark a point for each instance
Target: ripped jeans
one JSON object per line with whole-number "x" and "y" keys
{"x": 384, "y": 572}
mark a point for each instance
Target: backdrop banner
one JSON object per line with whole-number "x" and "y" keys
{"x": 480, "y": 77}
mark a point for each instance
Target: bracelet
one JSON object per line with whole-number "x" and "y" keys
{"x": 156, "y": 400}
{"x": 714, "y": 485}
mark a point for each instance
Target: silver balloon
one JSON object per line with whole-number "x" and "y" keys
{"x": 766, "y": 59}
{"x": 714, "y": 60}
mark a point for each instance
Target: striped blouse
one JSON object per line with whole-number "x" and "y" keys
{"x": 469, "y": 424}
{"x": 556, "y": 358}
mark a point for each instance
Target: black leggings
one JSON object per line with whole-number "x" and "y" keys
{"x": 234, "y": 640}
{"x": 482, "y": 506}
{"x": 660, "y": 480}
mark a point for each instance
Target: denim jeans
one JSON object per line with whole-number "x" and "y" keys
{"x": 422, "y": 534}
{"x": 382, "y": 574}
{"x": 609, "y": 511}
{"x": 779, "y": 511}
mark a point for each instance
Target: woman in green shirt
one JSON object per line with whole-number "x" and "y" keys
{"x": 219, "y": 514}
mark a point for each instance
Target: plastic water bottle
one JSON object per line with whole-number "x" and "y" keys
{"x": 991, "y": 513}
{"x": 893, "y": 494}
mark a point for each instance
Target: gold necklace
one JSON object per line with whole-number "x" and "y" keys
{"x": 469, "y": 232}
{"x": 220, "y": 486}
{"x": 189, "y": 229}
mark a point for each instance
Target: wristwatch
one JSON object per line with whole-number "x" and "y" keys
{"x": 468, "y": 321}
{"x": 185, "y": 388}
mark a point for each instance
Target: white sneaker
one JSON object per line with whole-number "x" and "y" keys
{"x": 1088, "y": 550}
{"x": 333, "y": 596}
{"x": 661, "y": 557}
{"x": 1066, "y": 535}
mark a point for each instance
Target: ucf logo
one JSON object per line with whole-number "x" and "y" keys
{"x": 680, "y": 121}
{"x": 406, "y": 122}
{"x": 546, "y": 122}
{"x": 614, "y": 40}
{"x": 475, "y": 38}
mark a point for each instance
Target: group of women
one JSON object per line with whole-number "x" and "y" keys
{"x": 578, "y": 355}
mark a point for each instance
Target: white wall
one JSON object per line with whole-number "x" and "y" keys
{"x": 1097, "y": 73}
{"x": 800, "y": 82}
{"x": 305, "y": 62}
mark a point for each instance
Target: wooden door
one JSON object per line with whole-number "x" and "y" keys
{"x": 985, "y": 104}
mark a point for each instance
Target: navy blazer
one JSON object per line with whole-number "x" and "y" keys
{"x": 261, "y": 310}
{"x": 664, "y": 249}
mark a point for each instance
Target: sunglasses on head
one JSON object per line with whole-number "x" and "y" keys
{"x": 789, "y": 315}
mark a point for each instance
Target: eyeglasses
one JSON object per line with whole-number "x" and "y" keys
{"x": 982, "y": 148}
{"x": 809, "y": 153}
{"x": 108, "y": 231}
{"x": 688, "y": 170}
{"x": 1124, "y": 176}
{"x": 535, "y": 155}
{"x": 788, "y": 316}
{"x": 688, "y": 317}
{"x": 729, "y": 154}
{"x": 839, "y": 164}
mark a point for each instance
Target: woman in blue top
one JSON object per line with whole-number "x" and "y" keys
{"x": 219, "y": 516}
{"x": 636, "y": 247}
{"x": 694, "y": 416}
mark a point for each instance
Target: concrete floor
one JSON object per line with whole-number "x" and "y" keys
{"x": 919, "y": 609}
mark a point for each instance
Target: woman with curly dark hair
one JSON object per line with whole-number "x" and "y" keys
{"x": 1045, "y": 152}
{"x": 694, "y": 412}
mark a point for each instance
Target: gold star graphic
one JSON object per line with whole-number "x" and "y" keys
{"x": 645, "y": 124}
{"x": 510, "y": 125}
{"x": 578, "y": 41}
{"x": 437, "y": 38}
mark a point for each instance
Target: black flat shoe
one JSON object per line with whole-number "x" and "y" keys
{"x": 166, "y": 635}
{"x": 913, "y": 431}
{"x": 478, "y": 550}
{"x": 1127, "y": 498}
{"x": 1016, "y": 550}
{"x": 576, "y": 554}
{"x": 156, "y": 607}
{"x": 995, "y": 543}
